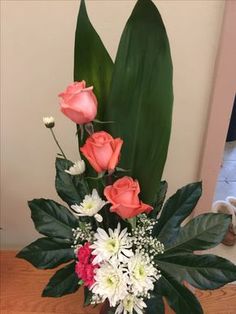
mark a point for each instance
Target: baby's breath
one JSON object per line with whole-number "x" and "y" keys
{"x": 82, "y": 233}
{"x": 143, "y": 239}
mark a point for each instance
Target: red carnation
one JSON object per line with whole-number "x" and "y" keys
{"x": 84, "y": 267}
{"x": 84, "y": 253}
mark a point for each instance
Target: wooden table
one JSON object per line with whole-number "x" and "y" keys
{"x": 21, "y": 286}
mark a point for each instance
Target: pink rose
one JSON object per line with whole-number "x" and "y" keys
{"x": 79, "y": 103}
{"x": 123, "y": 195}
{"x": 102, "y": 151}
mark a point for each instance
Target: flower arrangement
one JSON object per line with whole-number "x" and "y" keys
{"x": 119, "y": 239}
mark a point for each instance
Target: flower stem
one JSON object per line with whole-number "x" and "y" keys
{"x": 58, "y": 145}
{"x": 79, "y": 146}
{"x": 132, "y": 221}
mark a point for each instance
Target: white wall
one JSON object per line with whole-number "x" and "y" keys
{"x": 37, "y": 63}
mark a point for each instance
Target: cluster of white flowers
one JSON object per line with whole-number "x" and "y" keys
{"x": 125, "y": 275}
{"x": 126, "y": 271}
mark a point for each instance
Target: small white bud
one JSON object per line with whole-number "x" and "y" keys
{"x": 98, "y": 217}
{"x": 77, "y": 168}
{"x": 49, "y": 122}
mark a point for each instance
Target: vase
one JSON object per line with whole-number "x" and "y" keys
{"x": 106, "y": 309}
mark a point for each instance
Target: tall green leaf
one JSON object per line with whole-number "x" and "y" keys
{"x": 201, "y": 271}
{"x": 141, "y": 97}
{"x": 203, "y": 232}
{"x": 92, "y": 62}
{"x": 52, "y": 219}
{"x": 176, "y": 209}
{"x": 64, "y": 281}
{"x": 179, "y": 298}
{"x": 45, "y": 253}
{"x": 161, "y": 195}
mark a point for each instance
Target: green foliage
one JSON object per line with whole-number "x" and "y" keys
{"x": 92, "y": 62}
{"x": 203, "y": 232}
{"x": 175, "y": 210}
{"x": 161, "y": 195}
{"x": 53, "y": 219}
{"x": 45, "y": 253}
{"x": 141, "y": 97}
{"x": 71, "y": 189}
{"x": 179, "y": 262}
{"x": 64, "y": 281}
{"x": 87, "y": 296}
{"x": 179, "y": 298}
{"x": 155, "y": 305}
{"x": 201, "y": 271}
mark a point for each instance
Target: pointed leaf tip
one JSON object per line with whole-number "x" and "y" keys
{"x": 143, "y": 68}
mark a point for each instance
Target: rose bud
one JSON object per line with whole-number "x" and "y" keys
{"x": 123, "y": 195}
{"x": 102, "y": 151}
{"x": 79, "y": 103}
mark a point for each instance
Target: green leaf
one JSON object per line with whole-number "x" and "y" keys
{"x": 45, "y": 253}
{"x": 203, "y": 232}
{"x": 155, "y": 305}
{"x": 141, "y": 97}
{"x": 92, "y": 62}
{"x": 64, "y": 281}
{"x": 201, "y": 271}
{"x": 71, "y": 189}
{"x": 160, "y": 199}
{"x": 179, "y": 298}
{"x": 176, "y": 209}
{"x": 87, "y": 296}
{"x": 52, "y": 219}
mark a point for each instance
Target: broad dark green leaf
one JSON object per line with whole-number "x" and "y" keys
{"x": 141, "y": 97}
{"x": 64, "y": 281}
{"x": 71, "y": 189}
{"x": 155, "y": 305}
{"x": 45, "y": 253}
{"x": 201, "y": 233}
{"x": 87, "y": 296}
{"x": 201, "y": 271}
{"x": 52, "y": 219}
{"x": 176, "y": 209}
{"x": 179, "y": 298}
{"x": 92, "y": 62}
{"x": 157, "y": 206}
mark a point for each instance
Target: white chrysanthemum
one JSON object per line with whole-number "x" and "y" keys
{"x": 130, "y": 304}
{"x": 77, "y": 168}
{"x": 90, "y": 206}
{"x": 110, "y": 282}
{"x": 114, "y": 244}
{"x": 142, "y": 273}
{"x": 49, "y": 122}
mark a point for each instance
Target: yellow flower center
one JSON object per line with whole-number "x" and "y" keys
{"x": 128, "y": 303}
{"x": 139, "y": 272}
{"x": 111, "y": 281}
{"x": 112, "y": 246}
{"x": 89, "y": 205}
